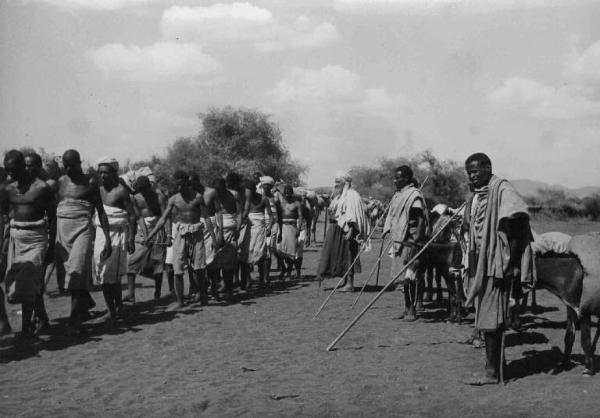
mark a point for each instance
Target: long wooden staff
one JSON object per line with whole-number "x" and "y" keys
{"x": 381, "y": 292}
{"x": 346, "y": 274}
{"x": 372, "y": 270}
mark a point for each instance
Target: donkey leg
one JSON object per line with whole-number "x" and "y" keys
{"x": 586, "y": 344}
{"x": 429, "y": 294}
{"x": 569, "y": 337}
{"x": 438, "y": 283}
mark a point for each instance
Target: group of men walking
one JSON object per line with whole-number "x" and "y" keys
{"x": 495, "y": 224}
{"x": 96, "y": 229}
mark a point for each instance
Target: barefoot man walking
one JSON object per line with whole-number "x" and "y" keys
{"x": 30, "y": 202}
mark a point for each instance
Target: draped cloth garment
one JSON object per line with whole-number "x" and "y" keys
{"x": 74, "y": 242}
{"x": 26, "y": 253}
{"x": 491, "y": 253}
{"x": 109, "y": 271}
{"x": 148, "y": 260}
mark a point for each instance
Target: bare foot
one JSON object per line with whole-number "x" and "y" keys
{"x": 480, "y": 380}
{"x": 346, "y": 288}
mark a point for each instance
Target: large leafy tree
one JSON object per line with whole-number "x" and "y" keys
{"x": 231, "y": 139}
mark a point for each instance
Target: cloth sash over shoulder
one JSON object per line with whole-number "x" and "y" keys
{"x": 115, "y": 266}
{"x": 74, "y": 245}
{"x": 503, "y": 202}
{"x": 26, "y": 253}
{"x": 349, "y": 208}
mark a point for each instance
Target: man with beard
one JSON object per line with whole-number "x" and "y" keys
{"x": 122, "y": 229}
{"x": 78, "y": 197}
{"x": 30, "y": 202}
{"x": 147, "y": 260}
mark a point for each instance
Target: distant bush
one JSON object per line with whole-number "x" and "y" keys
{"x": 556, "y": 204}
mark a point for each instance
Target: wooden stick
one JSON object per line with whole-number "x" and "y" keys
{"x": 344, "y": 276}
{"x": 381, "y": 292}
{"x": 372, "y": 270}
{"x": 49, "y": 274}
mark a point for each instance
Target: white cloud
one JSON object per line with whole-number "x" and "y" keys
{"x": 155, "y": 62}
{"x": 543, "y": 101}
{"x": 585, "y": 65}
{"x": 93, "y": 4}
{"x": 244, "y": 23}
{"x": 333, "y": 87}
{"x": 423, "y": 6}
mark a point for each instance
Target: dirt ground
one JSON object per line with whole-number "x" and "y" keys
{"x": 265, "y": 356}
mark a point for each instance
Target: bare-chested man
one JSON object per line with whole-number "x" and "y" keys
{"x": 186, "y": 209}
{"x": 235, "y": 184}
{"x": 267, "y": 185}
{"x": 33, "y": 165}
{"x": 30, "y": 202}
{"x": 148, "y": 260}
{"x": 122, "y": 228}
{"x": 78, "y": 197}
{"x": 255, "y": 244}
{"x": 230, "y": 215}
{"x": 291, "y": 223}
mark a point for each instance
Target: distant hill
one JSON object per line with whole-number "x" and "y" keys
{"x": 530, "y": 188}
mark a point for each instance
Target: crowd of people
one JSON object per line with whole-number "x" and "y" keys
{"x": 494, "y": 228}
{"x": 94, "y": 229}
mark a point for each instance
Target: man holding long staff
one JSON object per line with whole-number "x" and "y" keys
{"x": 498, "y": 224}
{"x": 406, "y": 221}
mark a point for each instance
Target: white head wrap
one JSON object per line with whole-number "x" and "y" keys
{"x": 343, "y": 175}
{"x": 267, "y": 180}
{"x": 111, "y": 161}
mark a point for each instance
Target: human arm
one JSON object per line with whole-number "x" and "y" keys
{"x": 131, "y": 219}
{"x": 103, "y": 220}
{"x": 50, "y": 209}
{"x": 269, "y": 214}
{"x": 166, "y": 216}
{"x": 301, "y": 221}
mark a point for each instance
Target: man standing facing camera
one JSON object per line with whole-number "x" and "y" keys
{"x": 498, "y": 225}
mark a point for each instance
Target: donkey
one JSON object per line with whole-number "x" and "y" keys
{"x": 576, "y": 282}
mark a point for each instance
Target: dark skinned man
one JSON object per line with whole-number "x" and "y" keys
{"x": 78, "y": 198}
{"x": 30, "y": 202}
{"x": 147, "y": 260}
{"x": 122, "y": 229}
{"x": 186, "y": 210}
{"x": 406, "y": 221}
{"x": 498, "y": 224}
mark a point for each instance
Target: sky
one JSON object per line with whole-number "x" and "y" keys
{"x": 348, "y": 81}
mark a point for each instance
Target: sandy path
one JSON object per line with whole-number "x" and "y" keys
{"x": 266, "y": 356}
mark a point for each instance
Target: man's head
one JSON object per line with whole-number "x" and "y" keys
{"x": 182, "y": 181}
{"x": 251, "y": 184}
{"x": 219, "y": 184}
{"x": 108, "y": 175}
{"x": 403, "y": 176}
{"x": 341, "y": 178}
{"x": 14, "y": 163}
{"x": 288, "y": 192}
{"x": 33, "y": 164}
{"x": 267, "y": 183}
{"x": 479, "y": 169}
{"x": 234, "y": 181}
{"x": 142, "y": 184}
{"x": 195, "y": 183}
{"x": 256, "y": 176}
{"x": 52, "y": 169}
{"x": 72, "y": 162}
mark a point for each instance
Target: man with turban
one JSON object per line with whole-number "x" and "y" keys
{"x": 349, "y": 228}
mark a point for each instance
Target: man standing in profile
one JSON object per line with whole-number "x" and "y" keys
{"x": 498, "y": 225}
